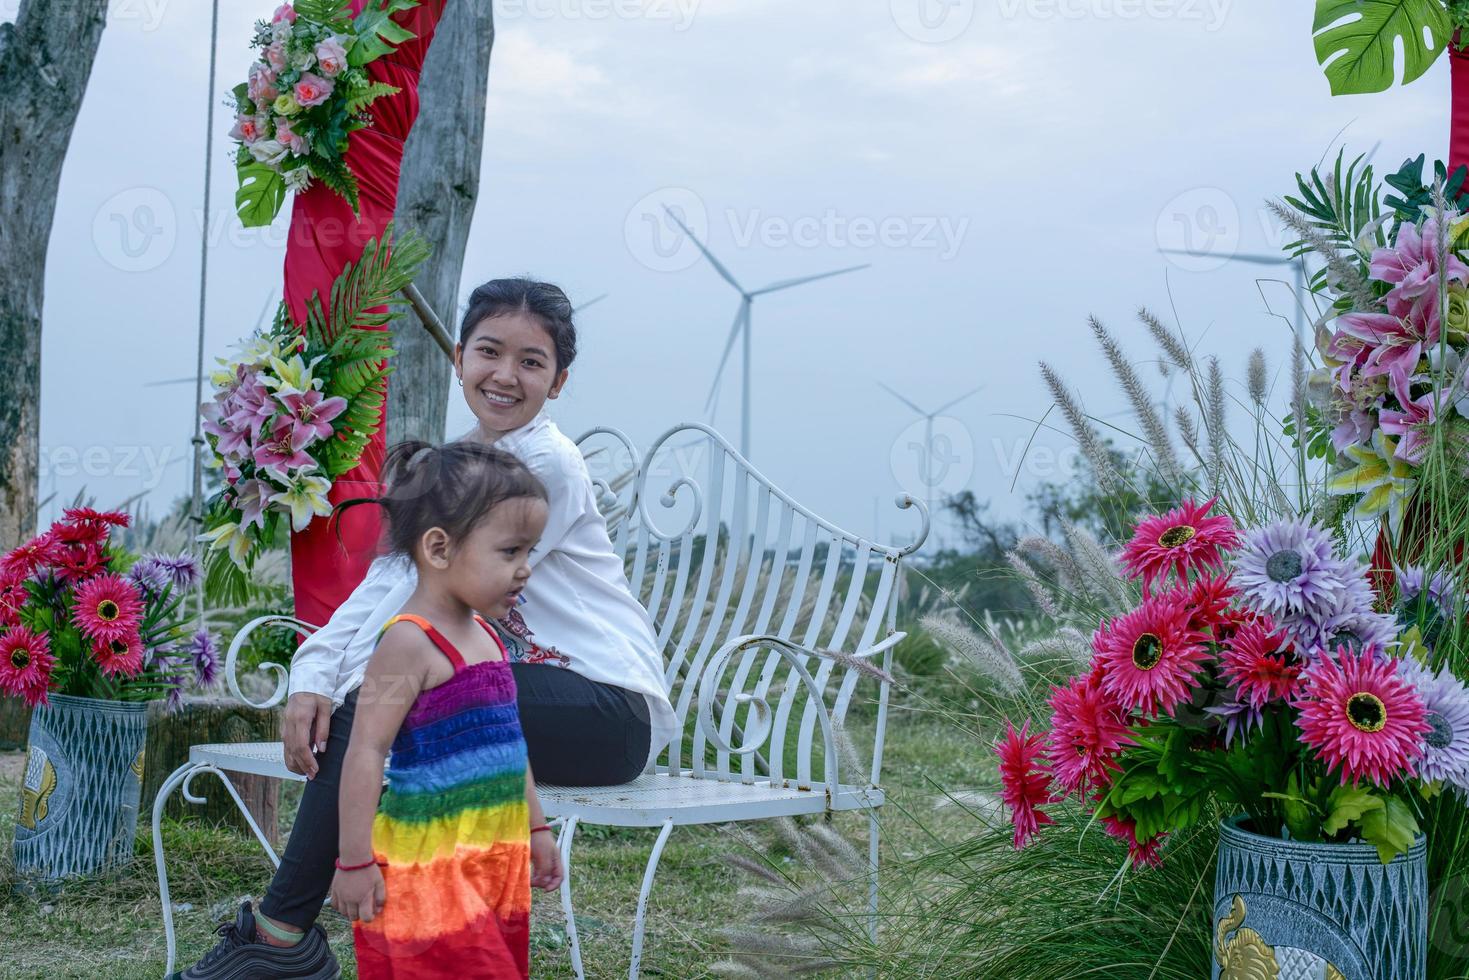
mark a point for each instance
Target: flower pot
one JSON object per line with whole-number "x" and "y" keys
{"x": 1292, "y": 909}
{"x": 79, "y": 793}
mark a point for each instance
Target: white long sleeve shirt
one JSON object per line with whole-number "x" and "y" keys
{"x": 576, "y": 602}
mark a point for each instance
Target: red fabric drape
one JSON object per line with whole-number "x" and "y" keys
{"x": 1458, "y": 106}
{"x": 330, "y": 557}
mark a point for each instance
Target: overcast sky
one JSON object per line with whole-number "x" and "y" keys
{"x": 1006, "y": 166}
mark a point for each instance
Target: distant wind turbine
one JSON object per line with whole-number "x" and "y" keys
{"x": 928, "y": 418}
{"x": 741, "y": 327}
{"x": 272, "y": 300}
{"x": 1298, "y": 263}
{"x": 595, "y": 299}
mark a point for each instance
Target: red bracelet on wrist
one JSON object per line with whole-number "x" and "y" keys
{"x": 354, "y": 867}
{"x": 544, "y": 826}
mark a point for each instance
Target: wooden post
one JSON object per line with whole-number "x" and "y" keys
{"x": 206, "y": 720}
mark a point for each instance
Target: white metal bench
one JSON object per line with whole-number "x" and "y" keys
{"x": 750, "y": 594}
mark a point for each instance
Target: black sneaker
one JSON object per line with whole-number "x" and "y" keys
{"x": 240, "y": 956}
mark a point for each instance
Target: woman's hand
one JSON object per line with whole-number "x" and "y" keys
{"x": 359, "y": 894}
{"x": 306, "y": 725}
{"x": 545, "y": 861}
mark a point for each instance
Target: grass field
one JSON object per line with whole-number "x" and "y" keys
{"x": 111, "y": 928}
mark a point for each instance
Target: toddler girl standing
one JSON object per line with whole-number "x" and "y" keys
{"x": 437, "y": 868}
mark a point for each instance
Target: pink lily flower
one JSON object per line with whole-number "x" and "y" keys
{"x": 1412, "y": 267}
{"x": 1392, "y": 345}
{"x": 1412, "y": 423}
{"x": 313, "y": 411}
{"x": 251, "y": 497}
{"x": 283, "y": 450}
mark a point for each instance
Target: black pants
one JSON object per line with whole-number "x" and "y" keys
{"x": 578, "y": 733}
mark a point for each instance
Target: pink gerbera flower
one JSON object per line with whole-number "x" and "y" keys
{"x": 1150, "y": 657}
{"x": 86, "y": 515}
{"x": 25, "y": 664}
{"x": 36, "y": 553}
{"x": 1088, "y": 731}
{"x": 1261, "y": 662}
{"x": 1183, "y": 540}
{"x": 1026, "y": 786}
{"x": 122, "y": 657}
{"x": 107, "y": 608}
{"x": 1361, "y": 716}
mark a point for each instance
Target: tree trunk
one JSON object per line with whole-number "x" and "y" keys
{"x": 204, "y": 721}
{"x": 46, "y": 58}
{"x": 436, "y": 198}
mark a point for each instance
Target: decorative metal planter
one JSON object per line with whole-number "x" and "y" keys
{"x": 79, "y": 794}
{"x": 1299, "y": 911}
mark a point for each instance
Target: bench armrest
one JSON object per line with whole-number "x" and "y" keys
{"x": 762, "y": 725}
{"x": 282, "y": 674}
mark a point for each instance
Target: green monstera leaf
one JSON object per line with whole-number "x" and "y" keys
{"x": 260, "y": 195}
{"x": 1356, "y": 41}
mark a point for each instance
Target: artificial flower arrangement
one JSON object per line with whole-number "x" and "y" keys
{"x": 296, "y": 408}
{"x": 79, "y": 615}
{"x": 1255, "y": 674}
{"x": 1390, "y": 393}
{"x": 305, "y": 94}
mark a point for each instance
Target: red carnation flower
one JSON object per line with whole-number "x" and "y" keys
{"x": 37, "y": 553}
{"x": 25, "y": 664}
{"x": 1140, "y": 853}
{"x": 1088, "y": 730}
{"x": 1261, "y": 662}
{"x": 108, "y": 608}
{"x": 1181, "y": 541}
{"x": 86, "y": 515}
{"x": 1150, "y": 658}
{"x": 1026, "y": 786}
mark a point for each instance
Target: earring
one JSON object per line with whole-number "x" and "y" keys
{"x": 461, "y": 382}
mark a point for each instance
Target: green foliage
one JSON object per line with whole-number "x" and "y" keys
{"x": 1361, "y": 35}
{"x": 334, "y": 173}
{"x": 1391, "y": 828}
{"x": 324, "y": 11}
{"x": 1342, "y": 211}
{"x": 1417, "y": 196}
{"x": 360, "y": 100}
{"x": 261, "y": 193}
{"x": 355, "y": 343}
{"x": 919, "y": 655}
{"x": 377, "y": 33}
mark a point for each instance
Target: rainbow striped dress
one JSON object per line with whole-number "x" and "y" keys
{"x": 453, "y": 832}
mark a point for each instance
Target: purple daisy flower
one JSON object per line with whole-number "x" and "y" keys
{"x": 1415, "y": 580}
{"x": 150, "y": 577}
{"x": 1446, "y": 756}
{"x": 183, "y": 570}
{"x": 205, "y": 657}
{"x": 1238, "y": 718}
{"x": 1290, "y": 569}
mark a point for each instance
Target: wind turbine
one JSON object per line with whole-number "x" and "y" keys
{"x": 576, "y": 310}
{"x": 928, "y": 418}
{"x": 741, "y": 327}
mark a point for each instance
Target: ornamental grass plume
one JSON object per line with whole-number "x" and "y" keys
{"x": 1258, "y": 377}
{"x": 992, "y": 659}
{"x": 1154, "y": 432}
{"x": 1087, "y": 438}
{"x": 1170, "y": 343}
